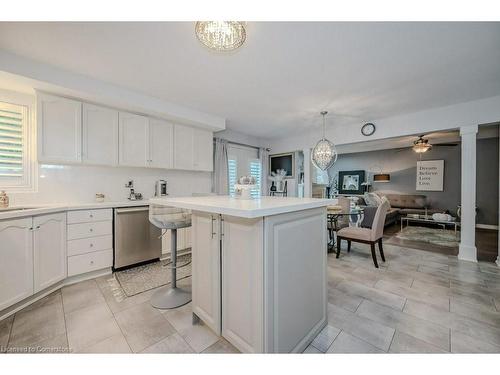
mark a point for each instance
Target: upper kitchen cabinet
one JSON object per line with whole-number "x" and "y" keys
{"x": 134, "y": 140}
{"x": 203, "y": 150}
{"x": 59, "y": 129}
{"x": 100, "y": 135}
{"x": 183, "y": 147}
{"x": 161, "y": 138}
{"x": 193, "y": 148}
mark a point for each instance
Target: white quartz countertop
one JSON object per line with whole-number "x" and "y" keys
{"x": 251, "y": 208}
{"x": 33, "y": 209}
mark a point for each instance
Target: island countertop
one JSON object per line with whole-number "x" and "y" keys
{"x": 247, "y": 208}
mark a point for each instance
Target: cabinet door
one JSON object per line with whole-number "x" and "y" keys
{"x": 160, "y": 144}
{"x": 16, "y": 261}
{"x": 100, "y": 135}
{"x": 133, "y": 131}
{"x": 242, "y": 286}
{"x": 206, "y": 269}
{"x": 49, "y": 250}
{"x": 59, "y": 129}
{"x": 203, "y": 150}
{"x": 183, "y": 147}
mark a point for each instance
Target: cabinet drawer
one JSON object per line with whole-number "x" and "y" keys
{"x": 86, "y": 230}
{"x": 88, "y": 245}
{"x": 79, "y": 264}
{"x": 88, "y": 216}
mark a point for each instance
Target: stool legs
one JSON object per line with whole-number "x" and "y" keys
{"x": 170, "y": 296}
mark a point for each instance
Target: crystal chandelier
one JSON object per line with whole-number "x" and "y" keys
{"x": 221, "y": 35}
{"x": 324, "y": 154}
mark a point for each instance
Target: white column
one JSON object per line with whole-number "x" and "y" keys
{"x": 307, "y": 173}
{"x": 467, "y": 249}
{"x": 498, "y": 258}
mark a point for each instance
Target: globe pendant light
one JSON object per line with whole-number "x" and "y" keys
{"x": 324, "y": 154}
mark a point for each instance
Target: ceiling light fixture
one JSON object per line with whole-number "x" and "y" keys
{"x": 421, "y": 145}
{"x": 324, "y": 154}
{"x": 221, "y": 36}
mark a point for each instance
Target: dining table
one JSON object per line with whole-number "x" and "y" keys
{"x": 336, "y": 212}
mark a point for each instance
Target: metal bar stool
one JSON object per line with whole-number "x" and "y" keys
{"x": 171, "y": 296}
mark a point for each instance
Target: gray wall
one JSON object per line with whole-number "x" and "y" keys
{"x": 402, "y": 168}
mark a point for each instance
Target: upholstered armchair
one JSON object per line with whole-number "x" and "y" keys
{"x": 367, "y": 235}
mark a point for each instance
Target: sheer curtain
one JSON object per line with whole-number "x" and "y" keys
{"x": 220, "y": 175}
{"x": 264, "y": 162}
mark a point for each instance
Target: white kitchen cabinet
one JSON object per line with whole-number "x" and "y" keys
{"x": 203, "y": 150}
{"x": 133, "y": 136}
{"x": 183, "y": 147}
{"x": 193, "y": 148}
{"x": 161, "y": 138}
{"x": 206, "y": 269}
{"x": 16, "y": 261}
{"x": 59, "y": 129}
{"x": 100, "y": 135}
{"x": 242, "y": 290}
{"x": 49, "y": 250}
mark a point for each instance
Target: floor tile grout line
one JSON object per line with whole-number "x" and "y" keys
{"x": 114, "y": 318}
{"x": 65, "y": 325}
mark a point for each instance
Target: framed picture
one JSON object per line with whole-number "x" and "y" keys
{"x": 283, "y": 161}
{"x": 430, "y": 175}
{"x": 350, "y": 182}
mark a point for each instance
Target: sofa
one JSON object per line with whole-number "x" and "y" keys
{"x": 401, "y": 205}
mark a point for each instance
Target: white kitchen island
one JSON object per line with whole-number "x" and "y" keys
{"x": 259, "y": 269}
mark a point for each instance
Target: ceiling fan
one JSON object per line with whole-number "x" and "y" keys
{"x": 422, "y": 145}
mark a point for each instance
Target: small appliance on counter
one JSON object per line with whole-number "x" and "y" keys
{"x": 161, "y": 188}
{"x": 133, "y": 196}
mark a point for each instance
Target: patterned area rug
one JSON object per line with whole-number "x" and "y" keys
{"x": 149, "y": 276}
{"x": 435, "y": 236}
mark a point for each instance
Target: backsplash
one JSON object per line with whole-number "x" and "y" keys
{"x": 78, "y": 184}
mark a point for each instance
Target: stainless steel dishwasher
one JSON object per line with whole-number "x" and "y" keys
{"x": 136, "y": 240}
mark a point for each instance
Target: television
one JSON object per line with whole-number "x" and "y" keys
{"x": 283, "y": 161}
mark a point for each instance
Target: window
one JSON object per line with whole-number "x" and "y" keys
{"x": 243, "y": 161}
{"x": 255, "y": 171}
{"x": 233, "y": 174}
{"x": 15, "y": 166}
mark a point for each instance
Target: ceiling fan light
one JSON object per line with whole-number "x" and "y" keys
{"x": 421, "y": 145}
{"x": 221, "y": 36}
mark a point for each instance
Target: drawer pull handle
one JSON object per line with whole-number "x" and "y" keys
{"x": 91, "y": 262}
{"x": 91, "y": 230}
{"x": 91, "y": 245}
{"x": 91, "y": 215}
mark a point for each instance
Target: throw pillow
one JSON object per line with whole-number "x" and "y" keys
{"x": 384, "y": 199}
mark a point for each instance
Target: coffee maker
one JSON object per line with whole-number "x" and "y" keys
{"x": 160, "y": 188}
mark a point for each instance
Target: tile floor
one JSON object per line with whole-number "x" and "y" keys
{"x": 417, "y": 302}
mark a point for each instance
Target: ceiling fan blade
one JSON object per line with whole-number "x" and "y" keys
{"x": 446, "y": 144}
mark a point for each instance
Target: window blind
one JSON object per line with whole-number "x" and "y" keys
{"x": 11, "y": 141}
{"x": 233, "y": 175}
{"x": 255, "y": 171}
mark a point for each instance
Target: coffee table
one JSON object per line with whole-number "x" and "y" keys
{"x": 429, "y": 220}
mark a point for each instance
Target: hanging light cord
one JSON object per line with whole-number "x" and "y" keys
{"x": 324, "y": 113}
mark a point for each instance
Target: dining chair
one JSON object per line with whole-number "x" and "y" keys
{"x": 367, "y": 235}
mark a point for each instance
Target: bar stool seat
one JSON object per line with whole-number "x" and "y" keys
{"x": 171, "y": 218}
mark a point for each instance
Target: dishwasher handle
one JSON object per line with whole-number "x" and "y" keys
{"x": 131, "y": 209}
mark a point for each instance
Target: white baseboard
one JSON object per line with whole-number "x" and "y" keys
{"x": 487, "y": 226}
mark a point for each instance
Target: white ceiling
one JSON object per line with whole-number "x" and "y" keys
{"x": 285, "y": 73}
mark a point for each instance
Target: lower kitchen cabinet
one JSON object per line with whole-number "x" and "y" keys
{"x": 32, "y": 256}
{"x": 206, "y": 269}
{"x": 16, "y": 261}
{"x": 49, "y": 250}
